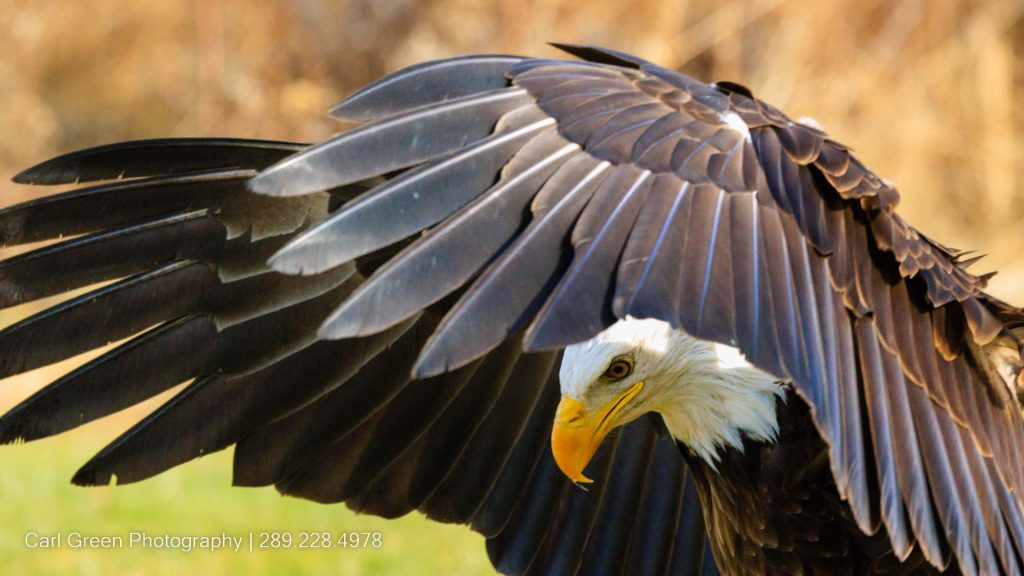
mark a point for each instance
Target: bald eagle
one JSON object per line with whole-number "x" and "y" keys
{"x": 615, "y": 319}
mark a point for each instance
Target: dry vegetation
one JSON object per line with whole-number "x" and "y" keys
{"x": 930, "y": 93}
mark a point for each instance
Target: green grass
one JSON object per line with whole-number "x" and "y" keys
{"x": 196, "y": 499}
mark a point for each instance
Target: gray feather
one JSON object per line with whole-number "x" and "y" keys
{"x": 421, "y": 135}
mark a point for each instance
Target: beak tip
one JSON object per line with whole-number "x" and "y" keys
{"x": 571, "y": 472}
{"x": 576, "y": 434}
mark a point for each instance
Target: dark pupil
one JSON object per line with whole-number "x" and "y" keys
{"x": 619, "y": 369}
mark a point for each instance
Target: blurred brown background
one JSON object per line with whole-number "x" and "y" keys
{"x": 930, "y": 94}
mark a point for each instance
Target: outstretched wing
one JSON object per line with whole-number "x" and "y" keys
{"x": 172, "y": 256}
{"x": 525, "y": 204}
{"x": 654, "y": 195}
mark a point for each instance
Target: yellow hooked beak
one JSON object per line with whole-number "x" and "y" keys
{"x": 576, "y": 435}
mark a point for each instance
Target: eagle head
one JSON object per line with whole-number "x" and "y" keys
{"x": 707, "y": 393}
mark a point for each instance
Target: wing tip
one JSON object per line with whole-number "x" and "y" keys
{"x": 26, "y": 176}
{"x": 600, "y": 55}
{"x": 87, "y": 476}
{"x": 428, "y": 366}
{"x": 284, "y": 261}
{"x": 283, "y": 180}
{"x": 267, "y": 183}
{"x": 12, "y": 431}
{"x": 338, "y": 327}
{"x": 47, "y": 173}
{"x": 352, "y": 109}
{"x": 298, "y": 258}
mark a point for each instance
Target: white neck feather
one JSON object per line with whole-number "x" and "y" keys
{"x": 719, "y": 399}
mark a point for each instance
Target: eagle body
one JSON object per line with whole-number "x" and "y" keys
{"x": 615, "y": 319}
{"x": 774, "y": 508}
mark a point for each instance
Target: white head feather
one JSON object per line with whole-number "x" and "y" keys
{"x": 707, "y": 393}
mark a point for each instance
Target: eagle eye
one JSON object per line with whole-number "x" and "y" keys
{"x": 619, "y": 368}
